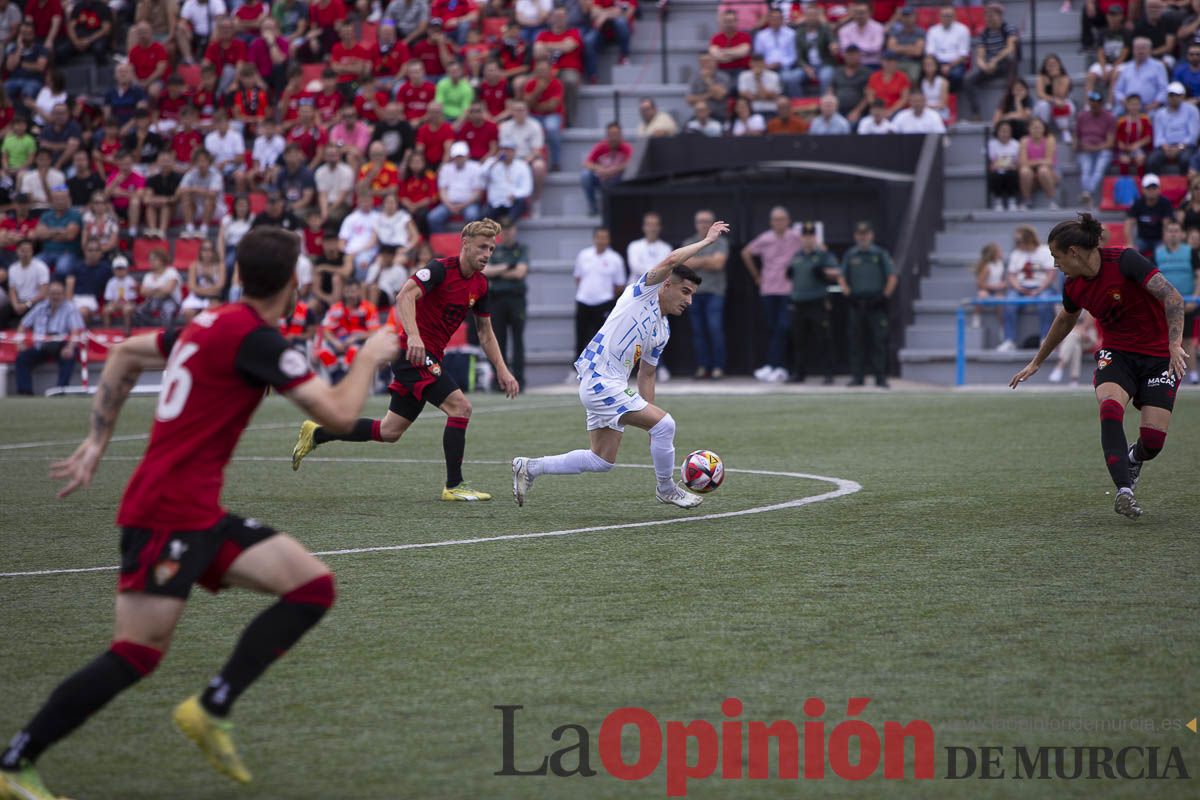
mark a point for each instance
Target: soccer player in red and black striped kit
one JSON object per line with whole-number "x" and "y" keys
{"x": 433, "y": 303}
{"x": 1141, "y": 357}
{"x": 174, "y": 532}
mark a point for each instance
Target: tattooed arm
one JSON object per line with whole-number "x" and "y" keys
{"x": 125, "y": 363}
{"x": 1172, "y": 302}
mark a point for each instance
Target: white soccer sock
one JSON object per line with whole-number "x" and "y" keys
{"x": 571, "y": 463}
{"x": 662, "y": 451}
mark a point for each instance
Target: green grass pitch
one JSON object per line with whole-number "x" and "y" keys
{"x": 980, "y": 574}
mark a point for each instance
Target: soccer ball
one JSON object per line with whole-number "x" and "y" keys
{"x": 702, "y": 471}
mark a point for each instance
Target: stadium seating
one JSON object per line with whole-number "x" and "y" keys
{"x": 1116, "y": 234}
{"x": 186, "y": 251}
{"x": 142, "y": 248}
{"x": 1174, "y": 188}
{"x": 445, "y": 244}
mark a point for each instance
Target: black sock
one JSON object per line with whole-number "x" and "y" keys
{"x": 454, "y": 444}
{"x": 363, "y": 431}
{"x": 72, "y": 702}
{"x": 1114, "y": 443}
{"x": 268, "y": 636}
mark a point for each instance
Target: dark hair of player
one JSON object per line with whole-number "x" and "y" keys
{"x": 266, "y": 258}
{"x": 686, "y": 273}
{"x": 1084, "y": 233}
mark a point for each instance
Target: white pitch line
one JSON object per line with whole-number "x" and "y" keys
{"x": 844, "y": 487}
{"x": 271, "y": 426}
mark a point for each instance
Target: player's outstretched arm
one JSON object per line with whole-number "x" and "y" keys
{"x": 337, "y": 407}
{"x": 491, "y": 348}
{"x": 124, "y": 365}
{"x": 1064, "y": 323}
{"x": 659, "y": 273}
{"x": 1173, "y": 305}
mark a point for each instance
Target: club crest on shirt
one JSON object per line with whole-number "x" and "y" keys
{"x": 471, "y": 301}
{"x": 1115, "y": 295}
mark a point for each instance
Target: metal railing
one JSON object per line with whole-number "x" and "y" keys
{"x": 960, "y": 327}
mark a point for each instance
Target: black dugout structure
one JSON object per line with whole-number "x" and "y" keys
{"x": 893, "y": 181}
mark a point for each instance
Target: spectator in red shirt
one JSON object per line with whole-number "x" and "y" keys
{"x": 481, "y": 134}
{"x": 87, "y": 32}
{"x": 603, "y": 166}
{"x": 731, "y": 47}
{"x": 149, "y": 59}
{"x": 418, "y": 189}
{"x": 456, "y": 15}
{"x": 248, "y": 19}
{"x": 323, "y": 17}
{"x": 269, "y": 54}
{"x": 390, "y": 55}
{"x": 349, "y": 58}
{"x": 186, "y": 140}
{"x": 124, "y": 190}
{"x": 434, "y": 136}
{"x": 544, "y": 94}
{"x": 435, "y": 51}
{"x": 493, "y": 91}
{"x": 889, "y": 84}
{"x": 170, "y": 105}
{"x": 47, "y": 18}
{"x": 329, "y": 99}
{"x": 563, "y": 47}
{"x": 378, "y": 176}
{"x": 370, "y": 100}
{"x": 306, "y": 133}
{"x": 225, "y": 53}
{"x": 513, "y": 52}
{"x": 416, "y": 93}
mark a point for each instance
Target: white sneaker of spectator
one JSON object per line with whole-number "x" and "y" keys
{"x": 778, "y": 375}
{"x": 189, "y": 232}
{"x": 1013, "y": 205}
{"x": 763, "y": 373}
{"x": 1007, "y": 346}
{"x": 1056, "y": 375}
{"x": 998, "y": 205}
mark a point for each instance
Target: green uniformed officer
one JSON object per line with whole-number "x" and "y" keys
{"x": 868, "y": 278}
{"x": 506, "y": 271}
{"x": 812, "y": 269}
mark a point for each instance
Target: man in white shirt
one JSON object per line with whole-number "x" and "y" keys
{"x": 876, "y": 121}
{"x": 950, "y": 43}
{"x": 28, "y": 279}
{"x": 227, "y": 147}
{"x": 526, "y": 133}
{"x": 200, "y": 16}
{"x": 334, "y": 180}
{"x": 198, "y": 192}
{"x": 776, "y": 43}
{"x": 917, "y": 118}
{"x": 460, "y": 188}
{"x": 357, "y": 235}
{"x": 760, "y": 86}
{"x": 644, "y": 253}
{"x": 599, "y": 278}
{"x": 509, "y": 184}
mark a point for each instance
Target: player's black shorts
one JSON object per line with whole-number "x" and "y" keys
{"x": 167, "y": 562}
{"x": 1146, "y": 379}
{"x": 413, "y": 387}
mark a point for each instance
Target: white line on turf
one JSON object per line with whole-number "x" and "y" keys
{"x": 844, "y": 487}
{"x": 272, "y": 426}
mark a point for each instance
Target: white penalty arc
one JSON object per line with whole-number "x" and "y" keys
{"x": 842, "y": 488}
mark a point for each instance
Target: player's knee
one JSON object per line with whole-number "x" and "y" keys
{"x": 144, "y": 658}
{"x": 664, "y": 428}
{"x": 1111, "y": 410}
{"x": 1152, "y": 440}
{"x": 392, "y": 428}
{"x": 318, "y": 594}
{"x": 598, "y": 463}
{"x": 459, "y": 407}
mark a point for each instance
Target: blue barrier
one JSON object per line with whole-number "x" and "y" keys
{"x": 960, "y": 334}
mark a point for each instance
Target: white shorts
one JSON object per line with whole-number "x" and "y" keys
{"x": 86, "y": 302}
{"x": 605, "y": 400}
{"x": 194, "y": 302}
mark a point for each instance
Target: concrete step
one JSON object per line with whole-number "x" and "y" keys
{"x": 956, "y": 286}
{"x": 966, "y": 187}
{"x": 558, "y": 237}
{"x": 562, "y": 195}
{"x": 928, "y": 336}
{"x": 599, "y": 105}
{"x": 984, "y": 367}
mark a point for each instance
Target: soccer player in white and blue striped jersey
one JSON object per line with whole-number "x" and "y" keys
{"x": 632, "y": 338}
